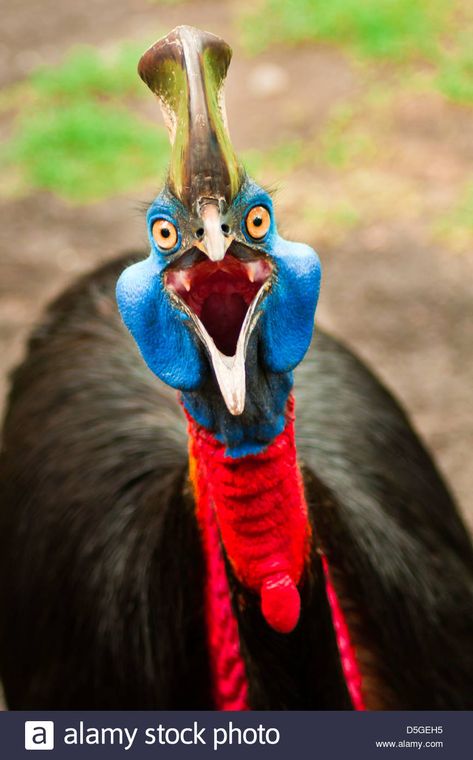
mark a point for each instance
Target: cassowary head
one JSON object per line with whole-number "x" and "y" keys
{"x": 223, "y": 307}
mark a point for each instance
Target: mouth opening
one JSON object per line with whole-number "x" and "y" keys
{"x": 220, "y": 293}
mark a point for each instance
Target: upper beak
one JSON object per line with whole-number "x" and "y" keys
{"x": 214, "y": 243}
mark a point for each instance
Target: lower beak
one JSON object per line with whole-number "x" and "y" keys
{"x": 230, "y": 370}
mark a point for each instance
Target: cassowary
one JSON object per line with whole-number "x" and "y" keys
{"x": 254, "y": 541}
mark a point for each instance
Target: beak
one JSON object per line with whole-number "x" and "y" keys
{"x": 229, "y": 373}
{"x": 214, "y": 243}
{"x": 229, "y": 370}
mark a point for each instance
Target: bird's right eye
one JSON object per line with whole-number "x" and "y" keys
{"x": 164, "y": 234}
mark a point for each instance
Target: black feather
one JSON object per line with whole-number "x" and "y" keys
{"x": 101, "y": 569}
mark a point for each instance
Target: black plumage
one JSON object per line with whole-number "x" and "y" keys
{"x": 101, "y": 568}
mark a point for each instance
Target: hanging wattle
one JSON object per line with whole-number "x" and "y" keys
{"x": 255, "y": 506}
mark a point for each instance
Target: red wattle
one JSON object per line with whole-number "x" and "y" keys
{"x": 262, "y": 516}
{"x": 346, "y": 649}
{"x": 280, "y": 603}
{"x": 255, "y": 506}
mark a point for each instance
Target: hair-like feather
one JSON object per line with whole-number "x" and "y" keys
{"x": 101, "y": 568}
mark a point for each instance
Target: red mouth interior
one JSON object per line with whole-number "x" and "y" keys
{"x": 220, "y": 293}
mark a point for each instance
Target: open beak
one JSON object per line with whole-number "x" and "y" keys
{"x": 220, "y": 285}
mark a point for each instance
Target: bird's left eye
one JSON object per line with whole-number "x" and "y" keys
{"x": 164, "y": 234}
{"x": 257, "y": 222}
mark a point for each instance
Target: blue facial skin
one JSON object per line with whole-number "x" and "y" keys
{"x": 166, "y": 337}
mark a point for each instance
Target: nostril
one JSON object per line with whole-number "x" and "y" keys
{"x": 200, "y": 232}
{"x": 225, "y": 229}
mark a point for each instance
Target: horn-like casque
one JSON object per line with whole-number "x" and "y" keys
{"x": 186, "y": 70}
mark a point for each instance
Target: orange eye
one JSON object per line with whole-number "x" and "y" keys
{"x": 257, "y": 222}
{"x": 164, "y": 234}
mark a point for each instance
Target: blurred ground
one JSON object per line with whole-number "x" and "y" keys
{"x": 372, "y": 168}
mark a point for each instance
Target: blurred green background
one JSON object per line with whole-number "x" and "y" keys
{"x": 359, "y": 113}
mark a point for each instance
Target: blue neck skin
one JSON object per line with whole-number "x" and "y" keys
{"x": 167, "y": 341}
{"x": 263, "y": 417}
